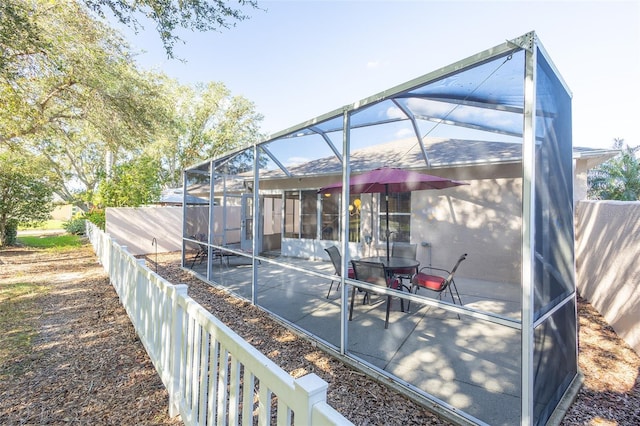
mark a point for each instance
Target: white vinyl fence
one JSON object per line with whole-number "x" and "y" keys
{"x": 212, "y": 375}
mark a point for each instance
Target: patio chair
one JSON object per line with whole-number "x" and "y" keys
{"x": 437, "y": 282}
{"x": 336, "y": 259}
{"x": 408, "y": 251}
{"x": 373, "y": 273}
{"x": 202, "y": 250}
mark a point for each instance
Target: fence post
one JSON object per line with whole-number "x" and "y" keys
{"x": 314, "y": 390}
{"x": 143, "y": 301}
{"x": 175, "y": 347}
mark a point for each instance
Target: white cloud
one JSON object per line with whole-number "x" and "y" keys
{"x": 373, "y": 64}
{"x": 292, "y": 161}
{"x": 404, "y": 133}
{"x": 395, "y": 112}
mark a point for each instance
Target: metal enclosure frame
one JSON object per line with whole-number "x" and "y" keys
{"x": 548, "y": 272}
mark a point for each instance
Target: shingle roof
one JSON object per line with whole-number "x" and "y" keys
{"x": 406, "y": 153}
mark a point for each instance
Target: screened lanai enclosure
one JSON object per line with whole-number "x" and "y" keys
{"x": 505, "y": 352}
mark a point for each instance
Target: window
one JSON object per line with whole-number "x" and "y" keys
{"x": 309, "y": 214}
{"x": 300, "y": 214}
{"x": 330, "y": 217}
{"x": 292, "y": 214}
{"x": 272, "y": 213}
{"x": 399, "y": 217}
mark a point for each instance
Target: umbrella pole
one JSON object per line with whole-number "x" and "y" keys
{"x": 386, "y": 209}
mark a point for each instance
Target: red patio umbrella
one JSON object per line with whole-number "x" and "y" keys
{"x": 386, "y": 180}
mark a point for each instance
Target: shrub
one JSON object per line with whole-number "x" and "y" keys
{"x": 97, "y": 217}
{"x": 75, "y": 226}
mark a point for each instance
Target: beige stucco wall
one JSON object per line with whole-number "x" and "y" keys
{"x": 580, "y": 186}
{"x": 62, "y": 212}
{"x": 608, "y": 273}
{"x": 136, "y": 227}
{"x": 481, "y": 219}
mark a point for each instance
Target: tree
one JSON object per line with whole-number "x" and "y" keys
{"x": 18, "y": 33}
{"x": 200, "y": 15}
{"x": 49, "y": 83}
{"x": 26, "y": 194}
{"x": 209, "y": 121}
{"x": 70, "y": 91}
{"x": 618, "y": 178}
{"x": 132, "y": 184}
{"x": 73, "y": 94}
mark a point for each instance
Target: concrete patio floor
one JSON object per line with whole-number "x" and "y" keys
{"x": 465, "y": 363}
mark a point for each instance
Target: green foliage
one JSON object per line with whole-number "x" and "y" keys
{"x": 63, "y": 66}
{"x": 25, "y": 192}
{"x": 618, "y": 178}
{"x": 132, "y": 184}
{"x": 75, "y": 226}
{"x": 18, "y": 33}
{"x": 53, "y": 242}
{"x": 71, "y": 92}
{"x": 10, "y": 233}
{"x": 97, "y": 217}
{"x": 74, "y": 94}
{"x": 209, "y": 121}
{"x": 200, "y": 15}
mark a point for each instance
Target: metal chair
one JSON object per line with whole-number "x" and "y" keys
{"x": 373, "y": 273}
{"x": 336, "y": 259}
{"x": 408, "y": 251}
{"x": 404, "y": 250}
{"x": 438, "y": 283}
{"x": 202, "y": 250}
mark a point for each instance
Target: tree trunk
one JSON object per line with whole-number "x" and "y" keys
{"x": 3, "y": 227}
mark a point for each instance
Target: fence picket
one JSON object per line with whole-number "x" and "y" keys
{"x": 211, "y": 374}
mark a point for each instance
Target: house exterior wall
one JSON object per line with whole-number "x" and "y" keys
{"x": 580, "y": 186}
{"x": 481, "y": 219}
{"x": 607, "y": 270}
{"x": 63, "y": 212}
{"x": 444, "y": 223}
{"x": 607, "y": 274}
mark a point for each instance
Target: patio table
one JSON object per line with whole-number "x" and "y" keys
{"x": 393, "y": 263}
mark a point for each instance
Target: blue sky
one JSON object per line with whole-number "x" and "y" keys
{"x": 299, "y": 59}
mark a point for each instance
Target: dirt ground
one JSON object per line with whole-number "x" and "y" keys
{"x": 88, "y": 367}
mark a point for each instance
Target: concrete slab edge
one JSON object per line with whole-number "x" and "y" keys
{"x": 567, "y": 399}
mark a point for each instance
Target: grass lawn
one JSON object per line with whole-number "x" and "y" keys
{"x": 49, "y": 224}
{"x": 55, "y": 242}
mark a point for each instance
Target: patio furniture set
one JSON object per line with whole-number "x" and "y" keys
{"x": 399, "y": 271}
{"x": 202, "y": 251}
